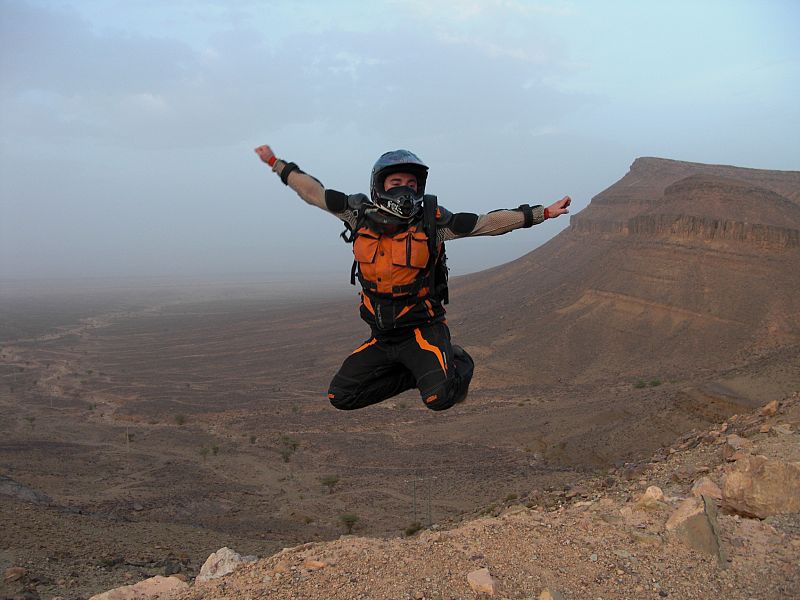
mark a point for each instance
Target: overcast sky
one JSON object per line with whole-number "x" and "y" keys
{"x": 127, "y": 126}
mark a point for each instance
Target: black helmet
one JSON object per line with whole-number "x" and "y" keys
{"x": 402, "y": 202}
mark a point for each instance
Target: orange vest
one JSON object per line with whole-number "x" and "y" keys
{"x": 393, "y": 265}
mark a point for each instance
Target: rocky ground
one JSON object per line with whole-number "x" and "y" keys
{"x": 716, "y": 515}
{"x": 101, "y": 484}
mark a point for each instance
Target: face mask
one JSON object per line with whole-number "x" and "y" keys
{"x": 401, "y": 201}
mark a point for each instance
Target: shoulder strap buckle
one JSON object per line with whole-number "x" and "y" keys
{"x": 349, "y": 233}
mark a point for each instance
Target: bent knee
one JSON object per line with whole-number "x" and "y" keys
{"x": 342, "y": 400}
{"x": 446, "y": 395}
{"x": 438, "y": 400}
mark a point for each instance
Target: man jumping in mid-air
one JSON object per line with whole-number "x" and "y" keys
{"x": 398, "y": 236}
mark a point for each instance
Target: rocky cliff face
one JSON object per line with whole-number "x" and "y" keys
{"x": 684, "y": 228}
{"x": 687, "y": 227}
{"x": 677, "y": 268}
{"x": 712, "y": 204}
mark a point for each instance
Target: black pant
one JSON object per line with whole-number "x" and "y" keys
{"x": 424, "y": 359}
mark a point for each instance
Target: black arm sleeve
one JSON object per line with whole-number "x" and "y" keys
{"x": 463, "y": 223}
{"x": 335, "y": 202}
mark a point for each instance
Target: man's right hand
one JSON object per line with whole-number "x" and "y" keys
{"x": 266, "y": 154}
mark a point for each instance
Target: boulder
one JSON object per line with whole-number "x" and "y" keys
{"x": 482, "y": 581}
{"x": 645, "y": 539}
{"x": 222, "y": 562}
{"x": 683, "y": 473}
{"x": 652, "y": 499}
{"x": 705, "y": 487}
{"x": 149, "y": 588}
{"x": 761, "y": 487}
{"x": 736, "y": 447}
{"x": 548, "y": 594}
{"x": 694, "y": 523}
{"x": 14, "y": 574}
{"x": 282, "y": 567}
{"x": 769, "y": 409}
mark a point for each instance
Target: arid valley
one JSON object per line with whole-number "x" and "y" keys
{"x": 146, "y": 426}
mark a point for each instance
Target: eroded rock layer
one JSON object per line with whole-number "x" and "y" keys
{"x": 678, "y": 268}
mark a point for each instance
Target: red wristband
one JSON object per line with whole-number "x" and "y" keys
{"x": 546, "y": 213}
{"x": 272, "y": 160}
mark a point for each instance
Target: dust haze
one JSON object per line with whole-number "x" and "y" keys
{"x": 126, "y": 131}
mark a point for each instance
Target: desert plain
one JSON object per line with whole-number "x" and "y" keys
{"x": 147, "y": 424}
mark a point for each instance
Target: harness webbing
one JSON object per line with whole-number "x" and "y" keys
{"x": 436, "y": 259}
{"x": 429, "y": 205}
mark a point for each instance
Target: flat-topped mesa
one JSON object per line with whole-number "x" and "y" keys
{"x": 691, "y": 201}
{"x": 696, "y": 271}
{"x": 648, "y": 177}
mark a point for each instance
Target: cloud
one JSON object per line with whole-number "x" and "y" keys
{"x": 126, "y": 128}
{"x": 496, "y": 50}
{"x": 465, "y": 10}
{"x": 134, "y": 90}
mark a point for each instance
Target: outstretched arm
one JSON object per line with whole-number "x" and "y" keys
{"x": 499, "y": 222}
{"x": 306, "y": 186}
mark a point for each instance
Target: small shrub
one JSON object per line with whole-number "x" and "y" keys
{"x": 412, "y": 529}
{"x": 639, "y": 384}
{"x": 290, "y": 442}
{"x": 204, "y": 452}
{"x": 308, "y": 520}
{"x": 214, "y": 449}
{"x": 289, "y": 446}
{"x": 180, "y": 419}
{"x": 349, "y": 520}
{"x": 511, "y": 497}
{"x": 330, "y": 482}
{"x": 252, "y": 439}
{"x": 655, "y": 383}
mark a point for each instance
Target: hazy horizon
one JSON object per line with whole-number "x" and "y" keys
{"x": 127, "y": 129}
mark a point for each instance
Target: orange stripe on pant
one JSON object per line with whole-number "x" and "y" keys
{"x": 365, "y": 345}
{"x": 425, "y": 345}
{"x": 368, "y": 303}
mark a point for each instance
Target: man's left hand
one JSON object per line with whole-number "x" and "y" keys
{"x": 557, "y": 208}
